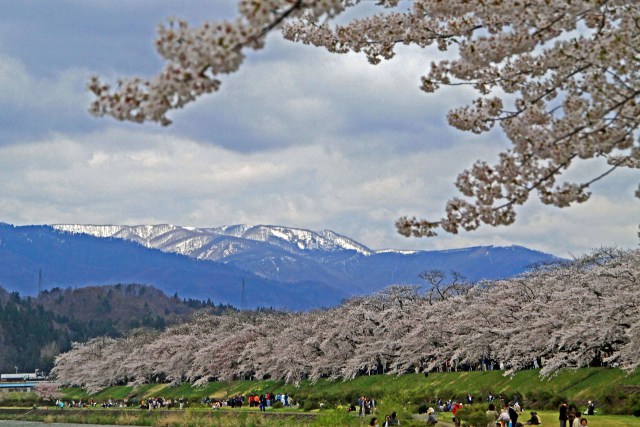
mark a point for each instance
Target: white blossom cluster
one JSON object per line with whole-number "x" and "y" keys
{"x": 195, "y": 56}
{"x": 48, "y": 391}
{"x": 564, "y": 315}
{"x": 568, "y": 68}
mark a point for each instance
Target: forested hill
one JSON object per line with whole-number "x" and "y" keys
{"x": 33, "y": 330}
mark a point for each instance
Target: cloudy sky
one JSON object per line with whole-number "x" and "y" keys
{"x": 298, "y": 137}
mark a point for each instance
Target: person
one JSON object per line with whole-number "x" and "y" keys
{"x": 534, "y": 420}
{"x": 513, "y": 414}
{"x": 181, "y": 401}
{"x": 374, "y": 422}
{"x": 492, "y": 415}
{"x": 564, "y": 414}
{"x": 583, "y": 422}
{"x": 576, "y": 419}
{"x": 454, "y": 410}
{"x": 504, "y": 416}
{"x": 591, "y": 408}
{"x": 392, "y": 420}
{"x": 516, "y": 406}
{"x": 431, "y": 421}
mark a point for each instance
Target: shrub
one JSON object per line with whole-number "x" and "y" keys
{"x": 311, "y": 404}
{"x": 543, "y": 399}
{"x": 473, "y": 415}
{"x": 619, "y": 401}
{"x": 277, "y": 405}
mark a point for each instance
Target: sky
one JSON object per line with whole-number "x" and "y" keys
{"x": 298, "y": 137}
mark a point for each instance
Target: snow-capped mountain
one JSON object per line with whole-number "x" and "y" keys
{"x": 295, "y": 255}
{"x": 247, "y": 266}
{"x": 190, "y": 240}
{"x": 36, "y": 258}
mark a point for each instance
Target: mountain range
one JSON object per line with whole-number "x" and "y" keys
{"x": 242, "y": 265}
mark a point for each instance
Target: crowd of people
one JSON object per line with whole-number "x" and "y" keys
{"x": 110, "y": 403}
{"x": 501, "y": 412}
{"x": 569, "y": 416}
{"x": 261, "y": 401}
{"x": 389, "y": 420}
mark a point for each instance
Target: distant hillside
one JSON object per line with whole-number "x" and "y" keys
{"x": 78, "y": 260}
{"x": 245, "y": 266}
{"x": 33, "y": 330}
{"x": 296, "y": 255}
{"x": 124, "y": 305}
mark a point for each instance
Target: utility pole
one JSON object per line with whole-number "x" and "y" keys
{"x": 39, "y": 281}
{"x": 243, "y": 301}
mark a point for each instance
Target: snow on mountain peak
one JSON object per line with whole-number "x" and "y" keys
{"x": 188, "y": 240}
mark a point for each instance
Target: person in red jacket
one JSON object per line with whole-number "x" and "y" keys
{"x": 454, "y": 410}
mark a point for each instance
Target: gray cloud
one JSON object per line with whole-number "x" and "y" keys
{"x": 298, "y": 137}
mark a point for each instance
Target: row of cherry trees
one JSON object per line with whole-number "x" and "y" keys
{"x": 566, "y": 315}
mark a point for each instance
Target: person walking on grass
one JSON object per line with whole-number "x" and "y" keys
{"x": 564, "y": 414}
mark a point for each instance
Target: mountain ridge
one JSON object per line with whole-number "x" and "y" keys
{"x": 68, "y": 260}
{"x": 242, "y": 265}
{"x": 293, "y": 254}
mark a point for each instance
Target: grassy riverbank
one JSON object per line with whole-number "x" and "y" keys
{"x": 612, "y": 388}
{"x": 324, "y": 403}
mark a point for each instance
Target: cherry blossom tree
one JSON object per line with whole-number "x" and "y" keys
{"x": 565, "y": 315}
{"x": 48, "y": 391}
{"x": 559, "y": 78}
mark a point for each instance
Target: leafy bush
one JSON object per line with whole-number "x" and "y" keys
{"x": 311, "y": 404}
{"x": 473, "y": 415}
{"x": 620, "y": 401}
{"x": 543, "y": 399}
{"x": 277, "y": 405}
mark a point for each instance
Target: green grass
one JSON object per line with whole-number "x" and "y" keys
{"x": 402, "y": 394}
{"x": 551, "y": 417}
{"x": 18, "y": 399}
{"x": 577, "y": 385}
